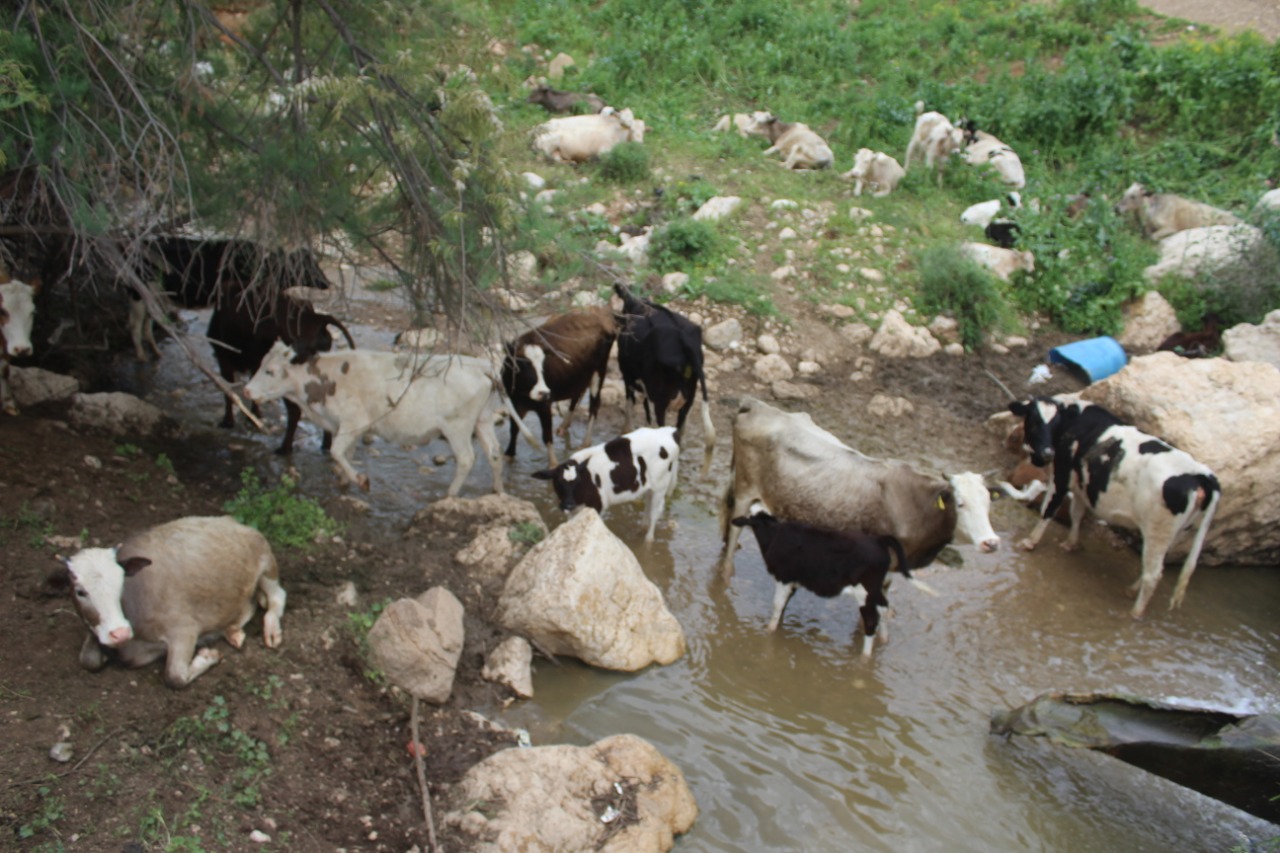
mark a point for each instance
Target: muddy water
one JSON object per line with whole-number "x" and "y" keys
{"x": 791, "y": 742}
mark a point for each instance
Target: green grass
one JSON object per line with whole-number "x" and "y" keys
{"x": 287, "y": 519}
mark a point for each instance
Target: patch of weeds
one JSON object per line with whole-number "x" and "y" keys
{"x": 526, "y": 533}
{"x": 733, "y": 290}
{"x": 219, "y": 741}
{"x": 38, "y": 528}
{"x": 50, "y": 812}
{"x": 286, "y": 518}
{"x": 360, "y": 624}
{"x": 128, "y": 451}
{"x": 683, "y": 198}
{"x": 953, "y": 285}
{"x": 165, "y": 464}
{"x": 156, "y": 833}
{"x": 685, "y": 245}
{"x": 274, "y": 684}
{"x": 625, "y": 163}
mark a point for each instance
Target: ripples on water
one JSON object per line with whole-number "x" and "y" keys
{"x": 792, "y": 743}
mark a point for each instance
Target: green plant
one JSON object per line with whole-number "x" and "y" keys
{"x": 51, "y": 811}
{"x": 217, "y": 738}
{"x": 165, "y": 464}
{"x": 128, "y": 451}
{"x": 956, "y": 286}
{"x": 526, "y": 533}
{"x": 287, "y": 519}
{"x": 685, "y": 245}
{"x": 362, "y": 623}
{"x": 625, "y": 163}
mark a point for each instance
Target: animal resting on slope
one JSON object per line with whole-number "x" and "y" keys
{"x": 825, "y": 562}
{"x": 17, "y": 313}
{"x": 1126, "y": 477}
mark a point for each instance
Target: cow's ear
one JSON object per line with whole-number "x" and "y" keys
{"x": 59, "y": 580}
{"x": 133, "y": 565}
{"x": 548, "y": 474}
{"x": 1020, "y": 408}
{"x": 741, "y": 521}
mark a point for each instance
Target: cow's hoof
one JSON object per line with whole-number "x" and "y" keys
{"x": 283, "y": 450}
{"x": 272, "y": 635}
{"x": 209, "y": 657}
{"x": 1027, "y": 545}
{"x": 363, "y": 482}
{"x": 1070, "y": 546}
{"x": 235, "y": 636}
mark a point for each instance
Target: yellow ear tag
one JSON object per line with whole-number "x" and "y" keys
{"x": 941, "y": 505}
{"x": 688, "y": 371}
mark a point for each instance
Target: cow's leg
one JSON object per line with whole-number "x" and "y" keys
{"x": 488, "y": 439}
{"x": 563, "y": 429}
{"x": 870, "y": 624}
{"x": 292, "y": 414}
{"x": 340, "y": 453}
{"x": 1154, "y": 549}
{"x": 593, "y": 407}
{"x": 1053, "y": 498}
{"x": 544, "y": 417}
{"x": 1078, "y": 510}
{"x": 781, "y": 595}
{"x": 269, "y": 589}
{"x": 1189, "y": 565}
{"x": 654, "y": 503}
{"x": 515, "y": 431}
{"x": 464, "y": 455}
{"x": 630, "y": 404}
{"x": 184, "y": 664}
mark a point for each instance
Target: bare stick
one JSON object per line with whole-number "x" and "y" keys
{"x": 422, "y": 777}
{"x": 1003, "y": 387}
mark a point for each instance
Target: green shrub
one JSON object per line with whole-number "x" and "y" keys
{"x": 685, "y": 245}
{"x": 625, "y": 163}
{"x": 952, "y": 284}
{"x": 287, "y": 519}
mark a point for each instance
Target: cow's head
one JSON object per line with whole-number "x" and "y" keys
{"x": 973, "y": 511}
{"x": 97, "y": 582}
{"x": 523, "y": 369}
{"x": 1039, "y": 417}
{"x": 273, "y": 378}
{"x": 1132, "y": 199}
{"x": 574, "y": 484}
{"x": 17, "y": 301}
{"x": 757, "y": 516}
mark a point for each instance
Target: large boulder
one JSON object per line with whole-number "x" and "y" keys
{"x": 500, "y": 528}
{"x": 1147, "y": 322}
{"x": 117, "y": 413}
{"x": 1226, "y": 415}
{"x": 416, "y": 643}
{"x": 619, "y": 795}
{"x": 581, "y": 592}
{"x": 896, "y": 338}
{"x": 1247, "y": 342}
{"x": 35, "y": 385}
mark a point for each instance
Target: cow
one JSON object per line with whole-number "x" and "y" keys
{"x": 1002, "y": 262}
{"x": 163, "y": 589}
{"x": 934, "y": 138}
{"x": 1162, "y": 214}
{"x": 1201, "y": 344}
{"x": 576, "y": 139}
{"x": 1125, "y": 477}
{"x": 747, "y": 124}
{"x": 555, "y": 101}
{"x": 1004, "y": 233}
{"x": 17, "y": 313}
{"x": 983, "y": 149}
{"x": 406, "y": 398}
{"x": 799, "y": 146}
{"x": 801, "y": 472}
{"x": 660, "y": 355}
{"x": 242, "y": 333}
{"x": 643, "y": 463}
{"x": 876, "y": 170}
{"x": 825, "y": 562}
{"x": 554, "y": 362}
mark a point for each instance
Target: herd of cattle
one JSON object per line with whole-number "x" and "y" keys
{"x": 826, "y": 517}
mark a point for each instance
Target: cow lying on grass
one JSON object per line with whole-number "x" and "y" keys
{"x": 825, "y": 562}
{"x": 1123, "y": 475}
{"x": 163, "y": 589}
{"x": 1162, "y": 214}
{"x": 799, "y": 146}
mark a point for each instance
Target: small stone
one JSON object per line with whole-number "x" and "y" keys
{"x": 259, "y": 837}
{"x": 61, "y": 752}
{"x": 787, "y": 233}
{"x": 768, "y": 345}
{"x": 93, "y": 462}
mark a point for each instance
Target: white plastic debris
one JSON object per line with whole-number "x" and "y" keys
{"x": 610, "y": 815}
{"x": 1040, "y": 373}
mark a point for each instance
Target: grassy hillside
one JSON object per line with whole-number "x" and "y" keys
{"x": 1093, "y": 94}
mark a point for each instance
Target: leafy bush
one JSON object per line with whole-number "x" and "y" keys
{"x": 625, "y": 163}
{"x": 954, "y": 285}
{"x": 287, "y": 519}
{"x": 684, "y": 245}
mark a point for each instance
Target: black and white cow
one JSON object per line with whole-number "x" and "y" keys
{"x": 660, "y": 355}
{"x": 643, "y": 463}
{"x": 825, "y": 562}
{"x": 1123, "y": 475}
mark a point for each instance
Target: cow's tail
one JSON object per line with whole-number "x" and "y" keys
{"x": 708, "y": 431}
{"x": 500, "y": 392}
{"x": 1212, "y": 495}
{"x": 891, "y": 544}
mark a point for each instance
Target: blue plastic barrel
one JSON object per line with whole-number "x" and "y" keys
{"x": 1097, "y": 357}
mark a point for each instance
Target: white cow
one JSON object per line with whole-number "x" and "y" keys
{"x": 576, "y": 139}
{"x": 876, "y": 170}
{"x": 406, "y": 398}
{"x": 800, "y": 472}
{"x": 986, "y": 150}
{"x": 1162, "y": 214}
{"x": 983, "y": 212}
{"x": 644, "y": 463}
{"x": 1002, "y": 262}
{"x": 935, "y": 139}
{"x": 17, "y": 313}
{"x": 747, "y": 124}
{"x": 799, "y": 146}
{"x": 163, "y": 589}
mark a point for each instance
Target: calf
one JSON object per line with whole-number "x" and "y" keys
{"x": 642, "y": 463}
{"x": 876, "y": 170}
{"x": 1162, "y": 214}
{"x": 825, "y": 562}
{"x": 660, "y": 355}
{"x": 1201, "y": 344}
{"x": 984, "y": 212}
{"x": 1004, "y": 233}
{"x": 17, "y": 313}
{"x": 576, "y": 139}
{"x": 557, "y": 361}
{"x": 799, "y": 146}
{"x": 555, "y": 101}
{"x": 1123, "y": 475}
{"x": 983, "y": 149}
{"x": 1002, "y": 262}
{"x": 163, "y": 589}
{"x": 747, "y": 124}
{"x": 405, "y": 398}
{"x": 935, "y": 138}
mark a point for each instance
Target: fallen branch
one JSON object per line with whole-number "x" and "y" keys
{"x": 422, "y": 777}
